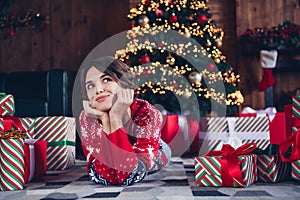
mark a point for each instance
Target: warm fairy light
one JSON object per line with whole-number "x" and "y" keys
{"x": 171, "y": 76}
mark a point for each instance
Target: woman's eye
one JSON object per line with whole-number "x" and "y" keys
{"x": 89, "y": 86}
{"x": 106, "y": 79}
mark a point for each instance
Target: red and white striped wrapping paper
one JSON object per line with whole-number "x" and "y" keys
{"x": 270, "y": 168}
{"x": 295, "y": 112}
{"x": 12, "y": 164}
{"x": 215, "y": 132}
{"x": 208, "y": 170}
{"x": 7, "y": 104}
{"x": 60, "y": 133}
{"x": 296, "y": 170}
{"x": 29, "y": 125}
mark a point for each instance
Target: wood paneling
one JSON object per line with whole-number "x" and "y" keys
{"x": 76, "y": 27}
{"x": 266, "y": 13}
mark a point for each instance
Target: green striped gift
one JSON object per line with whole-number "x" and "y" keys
{"x": 29, "y": 125}
{"x": 60, "y": 133}
{"x": 7, "y": 104}
{"x": 296, "y": 169}
{"x": 208, "y": 171}
{"x": 295, "y": 112}
{"x": 11, "y": 164}
{"x": 215, "y": 132}
{"x": 270, "y": 168}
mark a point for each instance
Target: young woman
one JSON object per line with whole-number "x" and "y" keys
{"x": 120, "y": 134}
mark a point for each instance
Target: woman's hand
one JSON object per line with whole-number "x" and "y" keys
{"x": 102, "y": 116}
{"x": 120, "y": 107}
{"x": 92, "y": 112}
{"x": 123, "y": 102}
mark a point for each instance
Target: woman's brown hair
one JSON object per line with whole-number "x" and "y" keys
{"x": 116, "y": 69}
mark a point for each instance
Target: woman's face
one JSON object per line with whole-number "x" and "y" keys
{"x": 101, "y": 89}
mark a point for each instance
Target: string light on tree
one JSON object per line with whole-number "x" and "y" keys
{"x": 173, "y": 74}
{"x": 170, "y": 60}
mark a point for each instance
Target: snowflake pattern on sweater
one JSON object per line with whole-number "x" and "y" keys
{"x": 116, "y": 158}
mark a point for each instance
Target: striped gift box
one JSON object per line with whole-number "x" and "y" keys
{"x": 7, "y": 104}
{"x": 12, "y": 164}
{"x": 208, "y": 170}
{"x": 60, "y": 133}
{"x": 270, "y": 168}
{"x": 215, "y": 132}
{"x": 295, "y": 110}
{"x": 29, "y": 125}
{"x": 296, "y": 170}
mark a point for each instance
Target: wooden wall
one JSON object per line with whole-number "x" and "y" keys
{"x": 268, "y": 13}
{"x": 75, "y": 28}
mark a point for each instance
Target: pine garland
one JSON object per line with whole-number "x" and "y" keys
{"x": 10, "y": 24}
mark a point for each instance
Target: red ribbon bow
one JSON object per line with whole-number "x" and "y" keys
{"x": 294, "y": 142}
{"x": 230, "y": 163}
{"x": 7, "y": 125}
{"x": 17, "y": 123}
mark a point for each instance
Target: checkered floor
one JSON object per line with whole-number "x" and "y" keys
{"x": 174, "y": 182}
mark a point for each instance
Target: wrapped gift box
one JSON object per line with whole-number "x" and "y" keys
{"x": 27, "y": 124}
{"x": 296, "y": 170}
{"x": 21, "y": 160}
{"x": 289, "y": 120}
{"x": 181, "y": 133}
{"x": 295, "y": 113}
{"x": 60, "y": 133}
{"x": 277, "y": 122}
{"x": 35, "y": 159}
{"x": 278, "y": 131}
{"x": 289, "y": 151}
{"x": 12, "y": 164}
{"x": 7, "y": 104}
{"x": 208, "y": 171}
{"x": 216, "y": 131}
{"x": 270, "y": 168}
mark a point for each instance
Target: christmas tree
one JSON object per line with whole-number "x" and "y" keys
{"x": 173, "y": 51}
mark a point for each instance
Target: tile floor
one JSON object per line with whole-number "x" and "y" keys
{"x": 174, "y": 182}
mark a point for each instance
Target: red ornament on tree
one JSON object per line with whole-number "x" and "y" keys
{"x": 211, "y": 67}
{"x": 175, "y": 85}
{"x": 201, "y": 19}
{"x": 161, "y": 44}
{"x": 158, "y": 12}
{"x": 145, "y": 59}
{"x": 173, "y": 18}
{"x": 137, "y": 93}
{"x": 147, "y": 2}
{"x": 170, "y": 1}
{"x": 12, "y": 32}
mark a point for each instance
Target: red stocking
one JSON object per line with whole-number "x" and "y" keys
{"x": 268, "y": 79}
{"x": 268, "y": 62}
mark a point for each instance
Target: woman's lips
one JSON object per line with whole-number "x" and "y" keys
{"x": 101, "y": 98}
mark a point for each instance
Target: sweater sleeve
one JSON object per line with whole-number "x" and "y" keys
{"x": 112, "y": 157}
{"x": 147, "y": 144}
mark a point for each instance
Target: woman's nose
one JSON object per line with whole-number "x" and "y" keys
{"x": 99, "y": 88}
